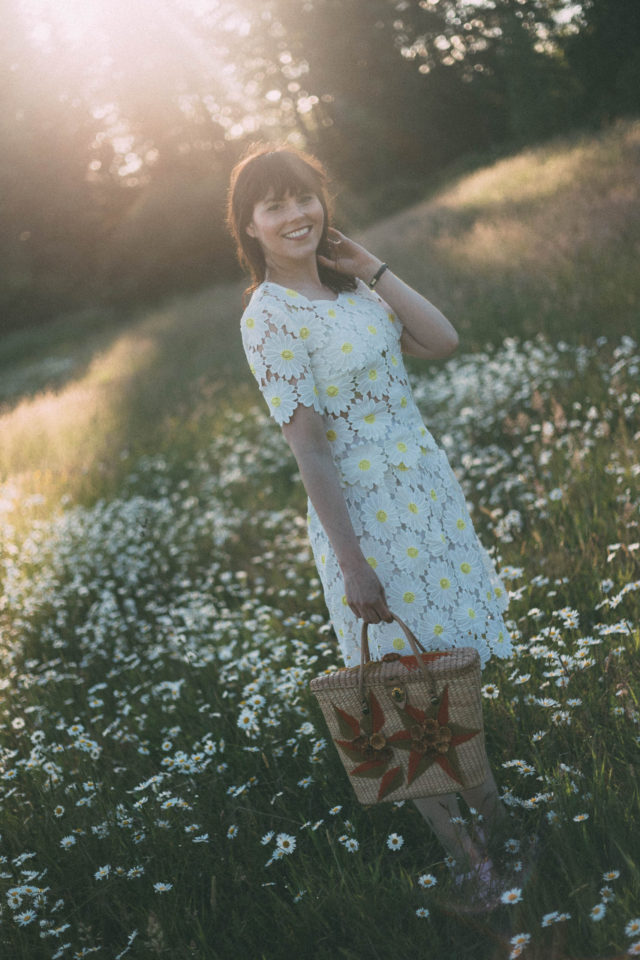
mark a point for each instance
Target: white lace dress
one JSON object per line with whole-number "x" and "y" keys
{"x": 343, "y": 358}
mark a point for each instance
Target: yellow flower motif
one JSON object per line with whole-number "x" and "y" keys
{"x": 460, "y": 524}
{"x": 394, "y": 359}
{"x": 276, "y": 401}
{"x": 350, "y": 300}
{"x": 391, "y": 317}
{"x": 372, "y": 562}
{"x": 371, "y": 328}
{"x": 465, "y": 567}
{"x": 403, "y": 402}
{"x": 399, "y": 643}
{"x": 304, "y": 333}
{"x": 344, "y": 599}
{"x": 381, "y": 515}
{"x": 286, "y": 354}
{"x": 445, "y": 583}
{"x": 373, "y": 374}
{"x": 332, "y": 391}
{"x": 331, "y": 312}
{"x": 370, "y": 418}
{"x": 347, "y": 347}
{"x": 364, "y": 465}
{"x": 433, "y": 494}
{"x": 408, "y": 596}
{"x": 438, "y": 629}
{"x": 412, "y": 552}
{"x": 291, "y": 293}
{"x": 250, "y": 322}
{"x": 331, "y": 436}
{"x": 413, "y": 507}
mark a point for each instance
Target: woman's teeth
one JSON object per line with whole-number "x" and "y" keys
{"x": 298, "y": 233}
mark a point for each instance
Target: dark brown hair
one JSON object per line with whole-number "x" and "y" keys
{"x": 285, "y": 169}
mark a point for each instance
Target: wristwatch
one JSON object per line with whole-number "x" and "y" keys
{"x": 381, "y": 270}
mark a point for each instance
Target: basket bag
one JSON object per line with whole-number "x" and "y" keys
{"x": 407, "y": 726}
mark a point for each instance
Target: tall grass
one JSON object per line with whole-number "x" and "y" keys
{"x": 166, "y": 784}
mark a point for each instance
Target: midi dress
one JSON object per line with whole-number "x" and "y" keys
{"x": 343, "y": 358}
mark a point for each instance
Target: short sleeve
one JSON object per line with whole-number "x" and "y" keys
{"x": 278, "y": 358}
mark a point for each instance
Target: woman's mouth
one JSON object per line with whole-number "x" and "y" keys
{"x": 298, "y": 234}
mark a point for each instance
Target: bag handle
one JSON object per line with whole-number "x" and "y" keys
{"x": 365, "y": 657}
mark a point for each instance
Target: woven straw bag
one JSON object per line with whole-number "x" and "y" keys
{"x": 407, "y": 726}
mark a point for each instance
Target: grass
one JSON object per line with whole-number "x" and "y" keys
{"x": 157, "y": 584}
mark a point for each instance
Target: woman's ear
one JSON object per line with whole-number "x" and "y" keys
{"x": 250, "y": 230}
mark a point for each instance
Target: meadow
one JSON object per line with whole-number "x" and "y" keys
{"x": 166, "y": 784}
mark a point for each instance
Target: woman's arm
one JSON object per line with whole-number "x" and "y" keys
{"x": 305, "y": 434}
{"x": 427, "y": 332}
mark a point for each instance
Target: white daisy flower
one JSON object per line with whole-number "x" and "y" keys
{"x": 394, "y": 841}
{"x": 284, "y": 355}
{"x": 435, "y": 541}
{"x": 436, "y": 626}
{"x": 427, "y": 880}
{"x": 335, "y": 390}
{"x": 339, "y": 433}
{"x": 456, "y": 523}
{"x": 370, "y": 419}
{"x": 308, "y": 392}
{"x": 253, "y": 327}
{"x": 373, "y": 381}
{"x": 285, "y": 843}
{"x": 632, "y": 927}
{"x": 400, "y": 399}
{"x": 422, "y": 912}
{"x": 363, "y": 465}
{"x": 377, "y": 556}
{"x": 405, "y": 597}
{"x": 282, "y": 400}
{"x": 467, "y": 566}
{"x": 346, "y": 351}
{"x": 411, "y": 505}
{"x": 598, "y": 912}
{"x": 408, "y": 552}
{"x": 441, "y": 581}
{"x": 402, "y": 450}
{"x": 512, "y": 896}
{"x": 468, "y": 618}
{"x": 379, "y": 516}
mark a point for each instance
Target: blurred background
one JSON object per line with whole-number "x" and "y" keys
{"x": 121, "y": 120}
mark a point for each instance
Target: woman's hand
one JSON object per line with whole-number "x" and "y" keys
{"x": 350, "y": 257}
{"x": 365, "y": 594}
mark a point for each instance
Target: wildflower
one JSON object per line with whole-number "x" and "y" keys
{"x": 352, "y": 845}
{"x": 520, "y": 940}
{"x": 598, "y": 912}
{"x": 607, "y": 894}
{"x": 299, "y": 895}
{"x": 512, "y": 896}
{"x": 512, "y": 845}
{"x": 134, "y": 872}
{"x": 266, "y": 838}
{"x": 549, "y": 918}
{"x": 232, "y": 832}
{"x": 27, "y": 916}
{"x": 162, "y": 887}
{"x": 67, "y": 841}
{"x": 102, "y": 872}
{"x": 632, "y": 927}
{"x": 305, "y": 782}
{"x": 58, "y": 811}
{"x": 634, "y": 949}
{"x": 427, "y": 880}
{"x": 611, "y": 875}
{"x": 394, "y": 841}
{"x": 579, "y": 817}
{"x": 553, "y": 816}
{"x": 422, "y": 912}
{"x": 490, "y": 691}
{"x": 285, "y": 843}
{"x": 335, "y": 810}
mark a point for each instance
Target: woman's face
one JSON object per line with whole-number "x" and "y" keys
{"x": 289, "y": 228}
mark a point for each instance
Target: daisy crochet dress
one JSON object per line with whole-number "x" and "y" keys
{"x": 343, "y": 358}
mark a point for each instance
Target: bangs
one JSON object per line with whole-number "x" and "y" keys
{"x": 283, "y": 173}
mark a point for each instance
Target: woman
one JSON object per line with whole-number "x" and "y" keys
{"x": 324, "y": 331}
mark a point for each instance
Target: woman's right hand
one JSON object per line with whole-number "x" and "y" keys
{"x": 365, "y": 594}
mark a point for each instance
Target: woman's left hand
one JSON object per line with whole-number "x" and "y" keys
{"x": 350, "y": 257}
